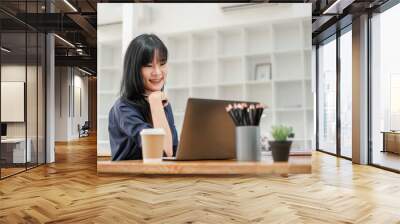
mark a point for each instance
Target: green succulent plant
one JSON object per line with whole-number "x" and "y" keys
{"x": 282, "y": 132}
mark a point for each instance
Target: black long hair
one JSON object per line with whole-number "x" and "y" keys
{"x": 140, "y": 52}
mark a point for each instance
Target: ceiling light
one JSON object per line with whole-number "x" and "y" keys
{"x": 338, "y": 6}
{"x": 65, "y": 41}
{"x": 5, "y": 50}
{"x": 84, "y": 71}
{"x": 70, "y": 5}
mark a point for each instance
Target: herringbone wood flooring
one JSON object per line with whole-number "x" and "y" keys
{"x": 70, "y": 191}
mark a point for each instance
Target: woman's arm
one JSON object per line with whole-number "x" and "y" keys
{"x": 160, "y": 120}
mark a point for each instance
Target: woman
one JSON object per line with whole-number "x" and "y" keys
{"x": 142, "y": 103}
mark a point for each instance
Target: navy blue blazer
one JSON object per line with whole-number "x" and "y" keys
{"x": 125, "y": 121}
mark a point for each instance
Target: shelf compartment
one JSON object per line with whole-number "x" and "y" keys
{"x": 258, "y": 39}
{"x": 231, "y": 92}
{"x": 178, "y": 75}
{"x": 310, "y": 124}
{"x": 204, "y": 72}
{"x": 299, "y": 146}
{"x": 309, "y": 145}
{"x": 103, "y": 125}
{"x": 231, "y": 70}
{"x": 204, "y": 44}
{"x": 254, "y": 61}
{"x": 293, "y": 119}
{"x": 103, "y": 148}
{"x": 111, "y": 54}
{"x": 288, "y": 65}
{"x": 307, "y": 31}
{"x": 266, "y": 124}
{"x": 205, "y": 92}
{"x": 287, "y": 35}
{"x": 106, "y": 101}
{"x": 178, "y": 47}
{"x": 307, "y": 63}
{"x": 260, "y": 93}
{"x": 178, "y": 99}
{"x": 230, "y": 42}
{"x": 289, "y": 95}
{"x": 308, "y": 94}
{"x": 107, "y": 80}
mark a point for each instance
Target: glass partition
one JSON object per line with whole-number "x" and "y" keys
{"x": 31, "y": 98}
{"x": 14, "y": 153}
{"x": 22, "y": 77}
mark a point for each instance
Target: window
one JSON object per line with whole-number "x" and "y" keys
{"x": 346, "y": 94}
{"x": 327, "y": 96}
{"x": 385, "y": 89}
{"x": 394, "y": 101}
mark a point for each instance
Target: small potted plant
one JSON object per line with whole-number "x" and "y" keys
{"x": 280, "y": 147}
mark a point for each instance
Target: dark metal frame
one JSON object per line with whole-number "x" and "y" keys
{"x": 0, "y": 91}
{"x": 369, "y": 90}
{"x": 338, "y": 97}
{"x": 317, "y": 96}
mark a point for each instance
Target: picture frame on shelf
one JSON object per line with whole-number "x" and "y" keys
{"x": 262, "y": 72}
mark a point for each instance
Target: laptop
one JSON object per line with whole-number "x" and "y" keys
{"x": 208, "y": 132}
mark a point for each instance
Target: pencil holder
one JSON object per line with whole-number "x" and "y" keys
{"x": 248, "y": 147}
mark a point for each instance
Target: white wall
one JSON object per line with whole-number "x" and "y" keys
{"x": 65, "y": 119}
{"x": 61, "y": 103}
{"x": 82, "y": 83}
{"x": 16, "y": 73}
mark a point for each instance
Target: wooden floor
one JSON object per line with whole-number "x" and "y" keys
{"x": 387, "y": 159}
{"x": 70, "y": 191}
{"x": 5, "y": 172}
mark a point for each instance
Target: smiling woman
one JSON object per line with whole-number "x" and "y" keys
{"x": 142, "y": 103}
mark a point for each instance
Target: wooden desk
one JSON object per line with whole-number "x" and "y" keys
{"x": 391, "y": 141}
{"x": 13, "y": 150}
{"x": 296, "y": 165}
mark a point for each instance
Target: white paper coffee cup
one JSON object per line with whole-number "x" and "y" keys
{"x": 152, "y": 144}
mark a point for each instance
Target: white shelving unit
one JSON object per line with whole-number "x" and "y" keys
{"x": 220, "y": 64}
{"x": 108, "y": 81}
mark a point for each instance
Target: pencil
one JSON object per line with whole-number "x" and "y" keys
{"x": 230, "y": 112}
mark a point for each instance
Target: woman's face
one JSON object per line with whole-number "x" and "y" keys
{"x": 154, "y": 75}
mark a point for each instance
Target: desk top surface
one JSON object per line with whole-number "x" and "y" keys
{"x": 13, "y": 140}
{"x": 391, "y": 132}
{"x": 296, "y": 164}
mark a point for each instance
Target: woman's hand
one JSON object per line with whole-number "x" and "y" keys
{"x": 158, "y": 97}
